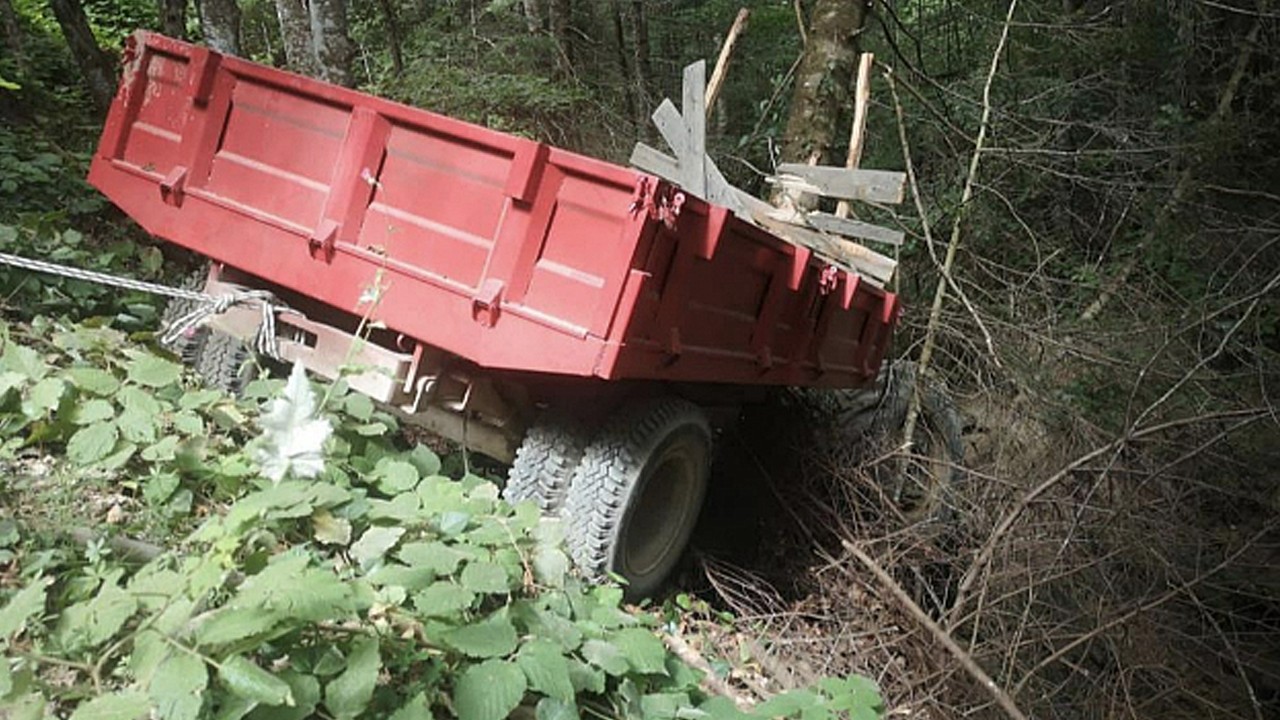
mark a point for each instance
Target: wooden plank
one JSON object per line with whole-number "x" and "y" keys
{"x": 858, "y": 131}
{"x": 672, "y": 129}
{"x": 884, "y": 186}
{"x": 722, "y": 63}
{"x": 693, "y": 111}
{"x": 870, "y": 264}
{"x": 718, "y": 189}
{"x": 854, "y": 228}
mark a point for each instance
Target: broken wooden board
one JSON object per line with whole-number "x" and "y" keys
{"x": 717, "y": 188}
{"x": 882, "y": 186}
{"x": 854, "y": 228}
{"x": 876, "y": 268}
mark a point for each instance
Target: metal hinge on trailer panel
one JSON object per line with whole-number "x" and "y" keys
{"x": 662, "y": 206}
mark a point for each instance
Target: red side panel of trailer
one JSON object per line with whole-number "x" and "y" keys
{"x": 493, "y": 247}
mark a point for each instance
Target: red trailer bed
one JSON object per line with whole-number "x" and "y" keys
{"x": 496, "y": 248}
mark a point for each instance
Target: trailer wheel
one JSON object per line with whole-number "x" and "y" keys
{"x": 187, "y": 345}
{"x": 225, "y": 362}
{"x": 923, "y": 486}
{"x": 635, "y": 497}
{"x": 545, "y": 463}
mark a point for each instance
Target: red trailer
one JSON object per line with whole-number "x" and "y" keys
{"x": 579, "y": 318}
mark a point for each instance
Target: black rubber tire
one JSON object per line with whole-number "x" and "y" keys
{"x": 635, "y": 497}
{"x": 225, "y": 362}
{"x": 545, "y": 463}
{"x": 187, "y": 345}
{"x": 922, "y": 488}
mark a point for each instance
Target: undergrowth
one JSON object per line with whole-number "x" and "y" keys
{"x": 292, "y": 560}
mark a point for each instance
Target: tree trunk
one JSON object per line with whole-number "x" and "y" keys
{"x": 394, "y": 42}
{"x": 333, "y": 49}
{"x": 624, "y": 63}
{"x": 173, "y": 18}
{"x": 220, "y": 23}
{"x": 533, "y": 15}
{"x": 96, "y": 66}
{"x": 822, "y": 82}
{"x": 295, "y": 33}
{"x": 640, "y": 66}
{"x": 561, "y": 15}
{"x": 12, "y": 32}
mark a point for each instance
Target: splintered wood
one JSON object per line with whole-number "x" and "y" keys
{"x": 831, "y": 236}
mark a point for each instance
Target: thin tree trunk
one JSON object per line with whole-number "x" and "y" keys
{"x": 561, "y": 16}
{"x": 534, "y": 15}
{"x": 295, "y": 34}
{"x": 12, "y": 33}
{"x": 392, "y": 23}
{"x": 220, "y": 23}
{"x": 624, "y": 65}
{"x": 333, "y": 48}
{"x": 640, "y": 61}
{"x": 96, "y": 66}
{"x": 822, "y": 82}
{"x": 173, "y": 18}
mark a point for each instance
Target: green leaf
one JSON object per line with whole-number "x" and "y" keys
{"x": 93, "y": 380}
{"x": 123, "y": 705}
{"x": 22, "y": 359}
{"x": 547, "y": 669}
{"x": 606, "y": 656}
{"x": 93, "y": 443}
{"x": 188, "y": 423}
{"x": 550, "y": 708}
{"x": 177, "y": 687}
{"x": 415, "y": 709}
{"x": 306, "y": 695}
{"x": 442, "y": 559}
{"x": 136, "y": 426}
{"x": 330, "y": 530}
{"x": 26, "y": 603}
{"x": 349, "y": 694}
{"x": 395, "y": 476}
{"x": 586, "y": 678}
{"x": 786, "y": 704}
{"x": 643, "y": 650}
{"x": 485, "y": 578}
{"x": 492, "y": 637}
{"x": 359, "y": 406}
{"x": 244, "y": 678}
{"x": 489, "y": 691}
{"x": 666, "y": 706}
{"x": 374, "y": 544}
{"x": 135, "y": 398}
{"x": 443, "y": 599}
{"x": 425, "y": 460}
{"x": 229, "y": 624}
{"x": 153, "y": 371}
{"x": 44, "y": 396}
{"x": 93, "y": 411}
{"x": 91, "y": 623}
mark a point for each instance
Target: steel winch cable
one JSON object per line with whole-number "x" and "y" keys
{"x": 210, "y": 305}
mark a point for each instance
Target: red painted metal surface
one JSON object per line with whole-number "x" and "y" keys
{"x": 499, "y": 249}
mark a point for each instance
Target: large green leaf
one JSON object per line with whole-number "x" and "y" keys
{"x": 244, "y": 678}
{"x": 22, "y": 606}
{"x": 492, "y": 637}
{"x": 293, "y": 435}
{"x": 152, "y": 371}
{"x": 606, "y": 656}
{"x": 177, "y": 687}
{"x": 306, "y": 695}
{"x": 93, "y": 380}
{"x": 374, "y": 543}
{"x": 230, "y": 624}
{"x": 550, "y": 708}
{"x": 489, "y": 691}
{"x": 486, "y": 578}
{"x": 443, "y": 599}
{"x": 91, "y": 623}
{"x": 442, "y": 559}
{"x": 349, "y": 694}
{"x": 786, "y": 704}
{"x": 123, "y": 705}
{"x": 642, "y": 649}
{"x": 415, "y": 709}
{"x": 547, "y": 669}
{"x": 92, "y": 443}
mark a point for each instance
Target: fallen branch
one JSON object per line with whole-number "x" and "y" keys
{"x": 710, "y": 681}
{"x": 962, "y": 656}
